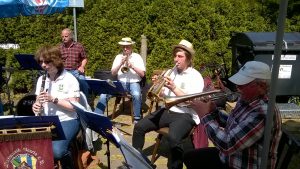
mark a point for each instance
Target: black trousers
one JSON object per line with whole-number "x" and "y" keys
{"x": 204, "y": 158}
{"x": 180, "y": 125}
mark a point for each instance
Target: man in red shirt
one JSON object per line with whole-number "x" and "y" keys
{"x": 74, "y": 58}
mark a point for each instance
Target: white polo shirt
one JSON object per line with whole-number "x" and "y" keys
{"x": 131, "y": 76}
{"x": 189, "y": 81}
{"x": 64, "y": 87}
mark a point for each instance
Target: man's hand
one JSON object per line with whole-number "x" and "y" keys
{"x": 81, "y": 69}
{"x": 169, "y": 83}
{"x": 203, "y": 107}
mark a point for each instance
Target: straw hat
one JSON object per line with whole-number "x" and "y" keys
{"x": 186, "y": 45}
{"x": 126, "y": 41}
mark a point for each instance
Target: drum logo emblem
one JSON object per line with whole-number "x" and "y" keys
{"x": 24, "y": 161}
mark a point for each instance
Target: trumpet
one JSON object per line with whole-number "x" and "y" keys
{"x": 154, "y": 91}
{"x": 210, "y": 95}
{"x": 125, "y": 68}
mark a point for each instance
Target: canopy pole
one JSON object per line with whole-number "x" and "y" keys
{"x": 274, "y": 79}
{"x": 75, "y": 26}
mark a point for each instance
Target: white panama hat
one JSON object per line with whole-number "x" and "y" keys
{"x": 126, "y": 41}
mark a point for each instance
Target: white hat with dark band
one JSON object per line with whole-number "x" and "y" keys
{"x": 126, "y": 41}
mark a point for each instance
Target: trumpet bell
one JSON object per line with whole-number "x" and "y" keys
{"x": 124, "y": 69}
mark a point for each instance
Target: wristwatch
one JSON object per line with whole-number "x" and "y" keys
{"x": 55, "y": 101}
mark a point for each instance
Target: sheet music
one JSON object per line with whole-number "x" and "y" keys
{"x": 134, "y": 159}
{"x": 11, "y": 116}
{"x": 97, "y": 122}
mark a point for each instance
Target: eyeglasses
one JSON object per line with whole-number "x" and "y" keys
{"x": 44, "y": 61}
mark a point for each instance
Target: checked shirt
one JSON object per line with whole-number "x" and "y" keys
{"x": 239, "y": 136}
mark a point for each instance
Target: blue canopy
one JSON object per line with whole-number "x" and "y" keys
{"x": 13, "y": 8}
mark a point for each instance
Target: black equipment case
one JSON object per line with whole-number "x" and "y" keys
{"x": 260, "y": 46}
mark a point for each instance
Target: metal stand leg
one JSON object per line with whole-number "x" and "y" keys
{"x": 107, "y": 154}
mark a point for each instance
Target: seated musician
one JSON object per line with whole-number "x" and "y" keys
{"x": 130, "y": 68}
{"x": 53, "y": 96}
{"x": 239, "y": 137}
{"x": 182, "y": 80}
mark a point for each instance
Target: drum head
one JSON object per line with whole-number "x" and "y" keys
{"x": 24, "y": 106}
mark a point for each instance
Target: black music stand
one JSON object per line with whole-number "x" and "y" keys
{"x": 113, "y": 88}
{"x": 28, "y": 62}
{"x": 15, "y": 122}
{"x": 99, "y": 124}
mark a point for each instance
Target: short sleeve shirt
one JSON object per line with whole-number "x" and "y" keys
{"x": 73, "y": 56}
{"x": 131, "y": 76}
{"x": 65, "y": 86}
{"x": 189, "y": 81}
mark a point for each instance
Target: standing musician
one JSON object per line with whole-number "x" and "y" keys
{"x": 74, "y": 58}
{"x": 130, "y": 68}
{"x": 53, "y": 96}
{"x": 238, "y": 137}
{"x": 183, "y": 80}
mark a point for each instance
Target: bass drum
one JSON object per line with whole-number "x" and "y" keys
{"x": 24, "y": 106}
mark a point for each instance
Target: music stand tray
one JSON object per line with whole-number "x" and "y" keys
{"x": 15, "y": 122}
{"x": 26, "y": 141}
{"x": 106, "y": 87}
{"x": 28, "y": 62}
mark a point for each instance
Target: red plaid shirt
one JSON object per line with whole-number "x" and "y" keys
{"x": 239, "y": 136}
{"x": 72, "y": 56}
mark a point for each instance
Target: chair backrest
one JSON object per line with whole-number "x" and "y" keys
{"x": 287, "y": 148}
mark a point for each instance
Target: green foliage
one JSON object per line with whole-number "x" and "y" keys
{"x": 208, "y": 24}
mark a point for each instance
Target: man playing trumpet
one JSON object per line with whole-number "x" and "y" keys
{"x": 130, "y": 69}
{"x": 182, "y": 80}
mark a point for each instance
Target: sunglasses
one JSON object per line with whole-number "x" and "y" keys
{"x": 44, "y": 61}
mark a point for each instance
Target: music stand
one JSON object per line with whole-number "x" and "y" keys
{"x": 114, "y": 88}
{"x": 133, "y": 158}
{"x": 21, "y": 138}
{"x": 28, "y": 62}
{"x": 99, "y": 124}
{"x": 14, "y": 122}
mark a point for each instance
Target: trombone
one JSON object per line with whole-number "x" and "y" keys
{"x": 213, "y": 95}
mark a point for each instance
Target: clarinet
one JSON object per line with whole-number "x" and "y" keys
{"x": 42, "y": 89}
